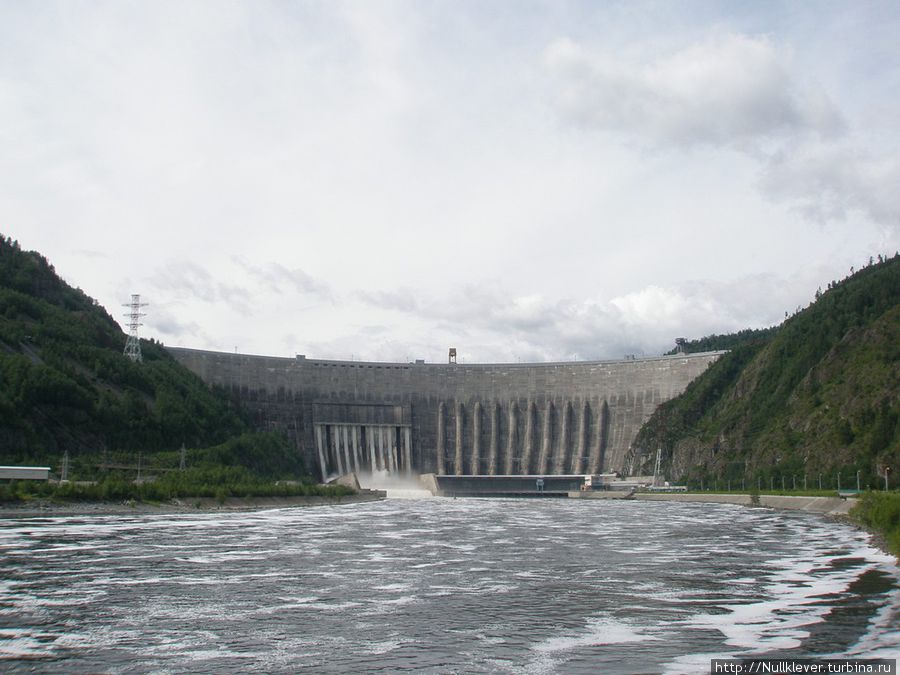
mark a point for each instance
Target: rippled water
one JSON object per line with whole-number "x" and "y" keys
{"x": 440, "y": 585}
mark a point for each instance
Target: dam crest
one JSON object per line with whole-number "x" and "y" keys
{"x": 451, "y": 419}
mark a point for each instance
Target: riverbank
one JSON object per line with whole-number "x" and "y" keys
{"x": 45, "y": 508}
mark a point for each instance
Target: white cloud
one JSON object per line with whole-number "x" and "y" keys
{"x": 826, "y": 182}
{"x": 278, "y": 279}
{"x": 644, "y": 321}
{"x": 728, "y": 90}
{"x": 387, "y": 179}
{"x": 735, "y": 91}
{"x": 167, "y": 323}
{"x": 185, "y": 280}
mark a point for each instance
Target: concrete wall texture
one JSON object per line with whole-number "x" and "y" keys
{"x": 457, "y": 419}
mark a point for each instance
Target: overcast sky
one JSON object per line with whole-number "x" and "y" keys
{"x": 382, "y": 180}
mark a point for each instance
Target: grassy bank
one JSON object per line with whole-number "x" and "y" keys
{"x": 880, "y": 512}
{"x": 219, "y": 484}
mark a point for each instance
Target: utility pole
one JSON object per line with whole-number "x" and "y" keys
{"x": 181, "y": 463}
{"x": 64, "y": 477}
{"x": 656, "y": 470}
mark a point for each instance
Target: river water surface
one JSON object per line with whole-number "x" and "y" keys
{"x": 440, "y": 585}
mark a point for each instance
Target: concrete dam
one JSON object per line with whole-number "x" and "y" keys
{"x": 451, "y": 419}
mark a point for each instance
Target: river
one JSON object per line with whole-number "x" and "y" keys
{"x": 440, "y": 585}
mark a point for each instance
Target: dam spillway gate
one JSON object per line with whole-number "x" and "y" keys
{"x": 451, "y": 419}
{"x": 362, "y": 437}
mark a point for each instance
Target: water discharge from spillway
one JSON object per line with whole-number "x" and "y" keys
{"x": 353, "y": 448}
{"x": 396, "y": 486}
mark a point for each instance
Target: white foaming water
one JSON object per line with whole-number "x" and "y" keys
{"x": 397, "y": 487}
{"x": 691, "y": 664}
{"x": 783, "y": 621}
{"x": 882, "y": 641}
{"x": 436, "y": 585}
{"x": 597, "y": 631}
{"x": 407, "y": 493}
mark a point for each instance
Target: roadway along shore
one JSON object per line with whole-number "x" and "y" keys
{"x": 831, "y": 506}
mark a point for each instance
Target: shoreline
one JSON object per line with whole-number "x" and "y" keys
{"x": 45, "y": 508}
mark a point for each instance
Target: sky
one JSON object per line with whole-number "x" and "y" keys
{"x": 522, "y": 180}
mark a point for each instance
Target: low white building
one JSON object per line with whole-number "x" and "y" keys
{"x": 24, "y": 472}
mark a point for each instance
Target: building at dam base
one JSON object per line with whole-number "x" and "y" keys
{"x": 452, "y": 419}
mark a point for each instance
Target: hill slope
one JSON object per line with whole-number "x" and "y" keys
{"x": 818, "y": 395}
{"x": 66, "y": 386}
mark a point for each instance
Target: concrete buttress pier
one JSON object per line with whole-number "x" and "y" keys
{"x": 452, "y": 419}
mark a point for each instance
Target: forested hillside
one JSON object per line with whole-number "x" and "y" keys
{"x": 817, "y": 397}
{"x": 65, "y": 386}
{"x": 715, "y": 343}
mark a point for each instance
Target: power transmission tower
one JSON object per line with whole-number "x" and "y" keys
{"x": 133, "y": 343}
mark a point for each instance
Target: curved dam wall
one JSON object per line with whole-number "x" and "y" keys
{"x": 459, "y": 419}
